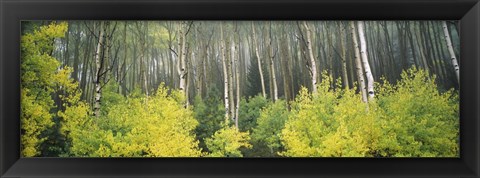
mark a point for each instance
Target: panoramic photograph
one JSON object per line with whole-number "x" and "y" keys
{"x": 378, "y": 89}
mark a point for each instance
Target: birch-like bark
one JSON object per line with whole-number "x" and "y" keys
{"x": 237, "y": 75}
{"x": 98, "y": 64}
{"x": 366, "y": 65}
{"x": 183, "y": 53}
{"x": 272, "y": 66}
{"x": 230, "y": 52}
{"x": 358, "y": 64}
{"x": 225, "y": 75}
{"x": 313, "y": 67}
{"x": 258, "y": 60}
{"x": 187, "y": 81}
{"x": 450, "y": 50}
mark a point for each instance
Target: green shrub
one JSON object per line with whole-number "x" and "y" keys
{"x": 419, "y": 120}
{"x": 250, "y": 111}
{"x": 210, "y": 113}
{"x": 227, "y": 142}
{"x": 269, "y": 126}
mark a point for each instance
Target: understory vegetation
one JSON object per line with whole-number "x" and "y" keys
{"x": 409, "y": 117}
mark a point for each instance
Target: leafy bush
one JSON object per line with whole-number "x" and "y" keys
{"x": 49, "y": 96}
{"x": 411, "y": 119}
{"x": 250, "y": 111}
{"x": 330, "y": 124}
{"x": 419, "y": 120}
{"x": 269, "y": 126}
{"x": 155, "y": 126}
{"x": 227, "y": 141}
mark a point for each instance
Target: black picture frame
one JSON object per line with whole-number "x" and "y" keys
{"x": 13, "y": 11}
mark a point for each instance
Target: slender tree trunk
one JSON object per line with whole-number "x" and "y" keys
{"x": 98, "y": 64}
{"x": 436, "y": 50}
{"x": 259, "y": 61}
{"x": 143, "y": 62}
{"x": 284, "y": 63}
{"x": 366, "y": 65}
{"x": 204, "y": 69}
{"x": 272, "y": 66}
{"x": 85, "y": 67}
{"x": 188, "y": 79}
{"x": 402, "y": 42}
{"x": 313, "y": 67}
{"x": 330, "y": 52}
{"x": 134, "y": 74}
{"x": 237, "y": 70}
{"x": 123, "y": 84}
{"x": 200, "y": 71}
{"x": 358, "y": 63}
{"x": 383, "y": 51}
{"x": 183, "y": 53}
{"x": 421, "y": 50}
{"x": 230, "y": 51}
{"x": 76, "y": 55}
{"x": 106, "y": 54}
{"x": 350, "y": 55}
{"x": 225, "y": 75}
{"x": 171, "y": 54}
{"x": 441, "y": 53}
{"x": 430, "y": 48}
{"x": 411, "y": 44}
{"x": 453, "y": 58}
{"x": 344, "y": 56}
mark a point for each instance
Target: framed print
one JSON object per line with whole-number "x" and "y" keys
{"x": 239, "y": 88}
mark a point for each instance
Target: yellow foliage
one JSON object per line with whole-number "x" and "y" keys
{"x": 409, "y": 119}
{"x": 227, "y": 141}
{"x": 35, "y": 118}
{"x": 39, "y": 79}
{"x": 155, "y": 126}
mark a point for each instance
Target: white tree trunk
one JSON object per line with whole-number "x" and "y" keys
{"x": 272, "y": 66}
{"x": 187, "y": 85}
{"x": 225, "y": 75}
{"x": 230, "y": 52}
{"x": 450, "y": 50}
{"x": 258, "y": 61}
{"x": 274, "y": 79}
{"x": 366, "y": 65}
{"x": 237, "y": 75}
{"x": 313, "y": 67}
{"x": 183, "y": 54}
{"x": 358, "y": 64}
{"x": 98, "y": 64}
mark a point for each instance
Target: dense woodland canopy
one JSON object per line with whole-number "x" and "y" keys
{"x": 240, "y": 88}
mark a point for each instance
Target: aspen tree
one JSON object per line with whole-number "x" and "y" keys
{"x": 272, "y": 65}
{"x": 453, "y": 58}
{"x": 225, "y": 75}
{"x": 358, "y": 63}
{"x": 98, "y": 73}
{"x": 313, "y": 67}
{"x": 366, "y": 65}
{"x": 237, "y": 71}
{"x": 254, "y": 39}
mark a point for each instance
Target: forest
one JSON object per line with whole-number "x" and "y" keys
{"x": 240, "y": 88}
